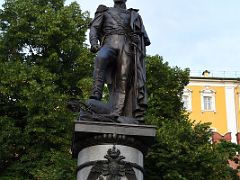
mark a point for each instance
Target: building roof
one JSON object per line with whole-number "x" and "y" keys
{"x": 214, "y": 78}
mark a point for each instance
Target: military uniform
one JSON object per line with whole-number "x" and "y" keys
{"x": 117, "y": 31}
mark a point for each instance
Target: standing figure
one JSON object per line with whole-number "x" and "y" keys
{"x": 119, "y": 37}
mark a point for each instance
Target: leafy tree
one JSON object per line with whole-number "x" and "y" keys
{"x": 165, "y": 86}
{"x": 43, "y": 63}
{"x": 48, "y": 34}
{"x": 183, "y": 149}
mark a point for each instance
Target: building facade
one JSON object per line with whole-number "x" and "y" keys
{"x": 215, "y": 100}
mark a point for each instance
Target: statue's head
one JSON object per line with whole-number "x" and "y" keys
{"x": 120, "y": 1}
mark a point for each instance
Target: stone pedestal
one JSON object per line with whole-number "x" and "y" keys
{"x": 111, "y": 150}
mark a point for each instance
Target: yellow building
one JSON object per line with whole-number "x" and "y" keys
{"x": 215, "y": 100}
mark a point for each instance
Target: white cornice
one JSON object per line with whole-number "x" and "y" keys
{"x": 217, "y": 83}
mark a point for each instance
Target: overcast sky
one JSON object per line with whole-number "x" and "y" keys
{"x": 199, "y": 34}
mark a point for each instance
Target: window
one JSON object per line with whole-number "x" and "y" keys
{"x": 185, "y": 102}
{"x": 207, "y": 103}
{"x": 208, "y": 100}
{"x": 187, "y": 99}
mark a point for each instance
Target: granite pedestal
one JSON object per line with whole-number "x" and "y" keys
{"x": 110, "y": 150}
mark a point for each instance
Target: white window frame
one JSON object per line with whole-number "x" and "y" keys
{"x": 188, "y": 93}
{"x": 207, "y": 103}
{"x": 208, "y": 93}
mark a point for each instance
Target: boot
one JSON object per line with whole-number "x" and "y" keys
{"x": 98, "y": 83}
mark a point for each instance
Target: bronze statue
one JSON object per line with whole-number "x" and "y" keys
{"x": 118, "y": 36}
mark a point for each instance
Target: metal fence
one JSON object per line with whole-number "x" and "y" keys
{"x": 213, "y": 73}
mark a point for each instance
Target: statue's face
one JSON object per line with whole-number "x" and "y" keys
{"x": 120, "y": 1}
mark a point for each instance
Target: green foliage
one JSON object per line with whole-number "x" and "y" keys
{"x": 43, "y": 63}
{"x": 34, "y": 120}
{"x": 184, "y": 152}
{"x": 48, "y": 34}
{"x": 165, "y": 86}
{"x": 183, "y": 149}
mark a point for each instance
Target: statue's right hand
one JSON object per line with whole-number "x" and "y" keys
{"x": 95, "y": 48}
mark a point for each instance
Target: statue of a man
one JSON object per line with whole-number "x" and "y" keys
{"x": 119, "y": 37}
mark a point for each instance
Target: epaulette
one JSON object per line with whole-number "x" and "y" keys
{"x": 101, "y": 8}
{"x": 131, "y": 9}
